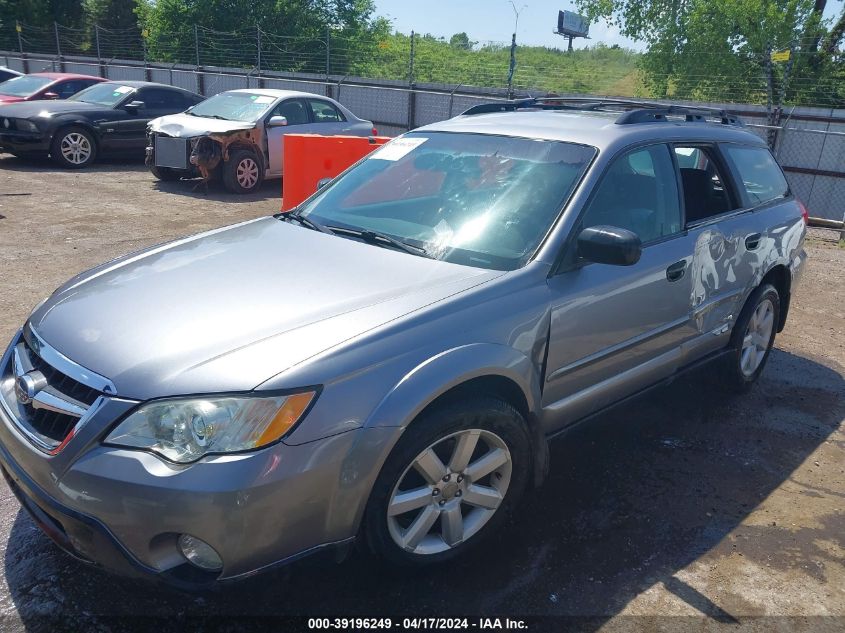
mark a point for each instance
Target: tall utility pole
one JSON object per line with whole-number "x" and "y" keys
{"x": 516, "y": 13}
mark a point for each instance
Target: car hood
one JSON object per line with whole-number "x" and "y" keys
{"x": 229, "y": 309}
{"x": 187, "y": 126}
{"x": 25, "y": 109}
{"x": 10, "y": 99}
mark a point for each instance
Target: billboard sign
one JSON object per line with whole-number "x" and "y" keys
{"x": 569, "y": 23}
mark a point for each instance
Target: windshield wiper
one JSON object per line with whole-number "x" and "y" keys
{"x": 374, "y": 237}
{"x": 304, "y": 221}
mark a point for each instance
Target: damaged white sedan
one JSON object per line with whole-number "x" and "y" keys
{"x": 238, "y": 136}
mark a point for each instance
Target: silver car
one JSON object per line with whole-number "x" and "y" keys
{"x": 388, "y": 361}
{"x": 247, "y": 129}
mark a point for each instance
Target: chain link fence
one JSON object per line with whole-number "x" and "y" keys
{"x": 403, "y": 82}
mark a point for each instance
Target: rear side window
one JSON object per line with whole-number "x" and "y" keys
{"x": 706, "y": 192}
{"x": 762, "y": 179}
{"x": 324, "y": 112}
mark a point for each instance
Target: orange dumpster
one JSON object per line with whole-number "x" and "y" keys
{"x": 308, "y": 158}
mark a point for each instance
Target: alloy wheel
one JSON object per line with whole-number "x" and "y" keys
{"x": 449, "y": 491}
{"x": 76, "y": 148}
{"x": 757, "y": 337}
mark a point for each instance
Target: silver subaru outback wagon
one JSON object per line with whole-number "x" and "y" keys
{"x": 387, "y": 362}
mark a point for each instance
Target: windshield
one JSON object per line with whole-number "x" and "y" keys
{"x": 234, "y": 106}
{"x": 472, "y": 199}
{"x": 24, "y": 86}
{"x": 105, "y": 94}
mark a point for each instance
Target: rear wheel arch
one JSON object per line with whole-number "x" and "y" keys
{"x": 781, "y": 278}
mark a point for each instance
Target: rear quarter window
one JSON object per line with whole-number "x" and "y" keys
{"x": 760, "y": 177}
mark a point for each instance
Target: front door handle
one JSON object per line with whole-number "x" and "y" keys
{"x": 676, "y": 270}
{"x": 753, "y": 241}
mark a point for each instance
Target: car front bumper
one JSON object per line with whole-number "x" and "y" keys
{"x": 24, "y": 142}
{"x": 124, "y": 509}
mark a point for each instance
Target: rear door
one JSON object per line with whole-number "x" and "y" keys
{"x": 328, "y": 120}
{"x": 725, "y": 244}
{"x": 617, "y": 329}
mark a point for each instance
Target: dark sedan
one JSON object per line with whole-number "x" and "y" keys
{"x": 110, "y": 117}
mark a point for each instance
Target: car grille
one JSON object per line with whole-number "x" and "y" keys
{"x": 49, "y": 419}
{"x": 171, "y": 152}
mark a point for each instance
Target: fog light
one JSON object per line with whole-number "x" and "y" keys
{"x": 200, "y": 553}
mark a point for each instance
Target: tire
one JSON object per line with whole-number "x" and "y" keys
{"x": 73, "y": 148}
{"x": 458, "y": 510}
{"x": 165, "y": 174}
{"x": 752, "y": 339}
{"x": 243, "y": 172}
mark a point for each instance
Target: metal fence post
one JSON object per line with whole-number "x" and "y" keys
{"x": 412, "y": 93}
{"x": 19, "y": 29}
{"x": 200, "y": 74}
{"x": 58, "y": 46}
{"x": 258, "y": 61}
{"x": 147, "y": 72}
{"x": 100, "y": 64}
{"x": 512, "y": 66}
{"x": 328, "y": 52}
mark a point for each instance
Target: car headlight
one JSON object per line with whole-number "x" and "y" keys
{"x": 27, "y": 126}
{"x": 184, "y": 430}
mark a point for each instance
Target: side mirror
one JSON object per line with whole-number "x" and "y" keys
{"x": 51, "y": 95}
{"x": 134, "y": 106}
{"x": 609, "y": 245}
{"x": 323, "y": 182}
{"x": 277, "y": 121}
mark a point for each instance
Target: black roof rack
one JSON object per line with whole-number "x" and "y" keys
{"x": 632, "y": 111}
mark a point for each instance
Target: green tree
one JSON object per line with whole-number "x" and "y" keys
{"x": 720, "y": 50}
{"x": 461, "y": 40}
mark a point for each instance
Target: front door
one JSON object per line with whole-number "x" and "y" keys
{"x": 299, "y": 122}
{"x": 617, "y": 329}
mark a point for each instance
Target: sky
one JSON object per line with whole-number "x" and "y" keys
{"x": 493, "y": 20}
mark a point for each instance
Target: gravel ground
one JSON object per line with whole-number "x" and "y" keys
{"x": 687, "y": 503}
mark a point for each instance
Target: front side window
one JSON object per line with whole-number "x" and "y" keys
{"x": 705, "y": 190}
{"x": 24, "y": 86}
{"x": 161, "y": 99}
{"x": 293, "y": 110}
{"x": 762, "y": 179}
{"x": 638, "y": 192}
{"x": 471, "y": 199}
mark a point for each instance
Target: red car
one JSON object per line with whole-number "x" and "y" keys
{"x": 44, "y": 86}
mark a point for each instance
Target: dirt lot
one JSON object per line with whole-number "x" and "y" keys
{"x": 688, "y": 503}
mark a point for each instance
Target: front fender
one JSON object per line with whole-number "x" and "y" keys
{"x": 448, "y": 369}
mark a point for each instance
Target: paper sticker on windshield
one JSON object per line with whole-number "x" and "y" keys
{"x": 398, "y": 148}
{"x": 122, "y": 90}
{"x": 263, "y": 100}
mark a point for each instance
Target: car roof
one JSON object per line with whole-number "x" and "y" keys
{"x": 278, "y": 94}
{"x": 595, "y": 128}
{"x": 150, "y": 84}
{"x": 66, "y": 76}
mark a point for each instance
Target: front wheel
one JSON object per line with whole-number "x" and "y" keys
{"x": 752, "y": 338}
{"x": 453, "y": 477}
{"x": 74, "y": 148}
{"x": 243, "y": 173}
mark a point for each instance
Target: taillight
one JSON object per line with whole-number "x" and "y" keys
{"x": 804, "y": 213}
{"x": 375, "y": 132}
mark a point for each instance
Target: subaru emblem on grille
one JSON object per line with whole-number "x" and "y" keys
{"x": 28, "y": 386}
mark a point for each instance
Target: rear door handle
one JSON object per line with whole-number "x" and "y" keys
{"x": 676, "y": 270}
{"x": 753, "y": 241}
